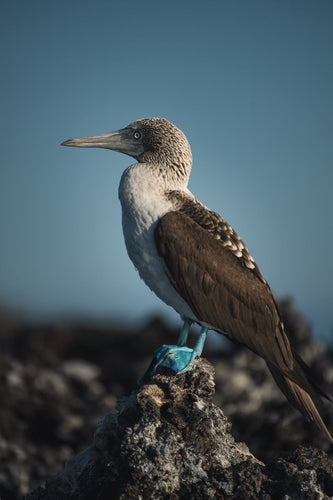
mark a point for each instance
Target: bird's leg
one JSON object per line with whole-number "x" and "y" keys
{"x": 184, "y": 332}
{"x": 197, "y": 349}
{"x": 201, "y": 341}
{"x": 177, "y": 357}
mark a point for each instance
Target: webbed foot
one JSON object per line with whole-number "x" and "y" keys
{"x": 177, "y": 357}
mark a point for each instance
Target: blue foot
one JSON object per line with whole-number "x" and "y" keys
{"x": 177, "y": 357}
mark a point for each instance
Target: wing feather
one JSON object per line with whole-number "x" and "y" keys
{"x": 221, "y": 291}
{"x": 226, "y": 290}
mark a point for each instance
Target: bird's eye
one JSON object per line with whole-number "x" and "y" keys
{"x": 137, "y": 135}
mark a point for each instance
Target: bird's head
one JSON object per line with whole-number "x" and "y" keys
{"x": 150, "y": 140}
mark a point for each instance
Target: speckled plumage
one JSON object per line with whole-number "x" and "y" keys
{"x": 212, "y": 222}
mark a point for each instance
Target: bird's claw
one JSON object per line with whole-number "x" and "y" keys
{"x": 178, "y": 358}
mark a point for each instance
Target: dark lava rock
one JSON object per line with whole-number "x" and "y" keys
{"x": 58, "y": 380}
{"x": 169, "y": 441}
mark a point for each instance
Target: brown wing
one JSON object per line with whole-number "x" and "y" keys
{"x": 216, "y": 226}
{"x": 222, "y": 291}
{"x": 234, "y": 299}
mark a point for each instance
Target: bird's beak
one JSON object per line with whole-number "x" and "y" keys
{"x": 121, "y": 140}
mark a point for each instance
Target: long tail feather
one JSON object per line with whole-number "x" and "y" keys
{"x": 300, "y": 399}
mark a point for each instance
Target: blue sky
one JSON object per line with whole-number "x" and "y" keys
{"x": 250, "y": 84}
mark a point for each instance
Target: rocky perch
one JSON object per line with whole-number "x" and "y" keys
{"x": 169, "y": 441}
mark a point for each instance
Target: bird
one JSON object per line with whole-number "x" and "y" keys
{"x": 195, "y": 262}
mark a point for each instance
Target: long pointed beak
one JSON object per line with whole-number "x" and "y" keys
{"x": 121, "y": 140}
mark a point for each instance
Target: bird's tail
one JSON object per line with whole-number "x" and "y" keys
{"x": 300, "y": 398}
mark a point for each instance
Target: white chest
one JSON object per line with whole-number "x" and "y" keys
{"x": 143, "y": 203}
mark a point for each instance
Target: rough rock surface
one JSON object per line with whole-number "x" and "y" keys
{"x": 168, "y": 440}
{"x": 58, "y": 380}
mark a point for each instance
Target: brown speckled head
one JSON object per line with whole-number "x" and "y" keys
{"x": 162, "y": 142}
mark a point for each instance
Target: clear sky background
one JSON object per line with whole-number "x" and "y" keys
{"x": 250, "y": 83}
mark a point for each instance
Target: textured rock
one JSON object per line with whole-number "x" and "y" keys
{"x": 58, "y": 380}
{"x": 168, "y": 440}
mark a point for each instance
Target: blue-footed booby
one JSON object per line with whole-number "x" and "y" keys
{"x": 195, "y": 262}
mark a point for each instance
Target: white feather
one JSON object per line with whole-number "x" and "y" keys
{"x": 143, "y": 201}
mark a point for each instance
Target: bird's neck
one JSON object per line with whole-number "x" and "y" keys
{"x": 144, "y": 193}
{"x": 155, "y": 177}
